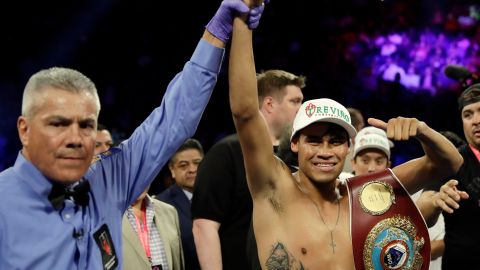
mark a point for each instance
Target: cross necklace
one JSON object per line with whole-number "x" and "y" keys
{"x": 332, "y": 241}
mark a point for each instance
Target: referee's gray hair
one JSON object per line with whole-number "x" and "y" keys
{"x": 58, "y": 78}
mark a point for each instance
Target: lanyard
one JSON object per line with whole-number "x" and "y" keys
{"x": 142, "y": 230}
{"x": 476, "y": 152}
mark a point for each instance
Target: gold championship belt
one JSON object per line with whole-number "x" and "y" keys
{"x": 388, "y": 231}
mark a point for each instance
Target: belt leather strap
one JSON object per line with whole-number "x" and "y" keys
{"x": 388, "y": 231}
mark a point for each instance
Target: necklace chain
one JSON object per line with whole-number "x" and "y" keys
{"x": 332, "y": 241}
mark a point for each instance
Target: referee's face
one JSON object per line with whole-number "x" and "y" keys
{"x": 59, "y": 138}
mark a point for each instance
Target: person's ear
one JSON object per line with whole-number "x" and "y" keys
{"x": 267, "y": 104}
{"x": 170, "y": 167}
{"x": 23, "y": 130}
{"x": 294, "y": 145}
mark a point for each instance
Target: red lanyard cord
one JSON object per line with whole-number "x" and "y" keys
{"x": 142, "y": 230}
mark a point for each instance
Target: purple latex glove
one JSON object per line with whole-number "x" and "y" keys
{"x": 255, "y": 15}
{"x": 221, "y": 25}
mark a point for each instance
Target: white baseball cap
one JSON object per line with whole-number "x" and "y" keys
{"x": 372, "y": 137}
{"x": 323, "y": 110}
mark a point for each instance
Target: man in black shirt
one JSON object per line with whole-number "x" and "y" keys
{"x": 462, "y": 234}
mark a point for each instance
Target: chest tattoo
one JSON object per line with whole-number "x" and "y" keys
{"x": 281, "y": 259}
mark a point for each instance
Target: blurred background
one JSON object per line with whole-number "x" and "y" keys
{"x": 385, "y": 58}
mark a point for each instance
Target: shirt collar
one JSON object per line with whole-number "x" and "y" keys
{"x": 188, "y": 194}
{"x": 148, "y": 202}
{"x": 149, "y": 207}
{"x": 32, "y": 176}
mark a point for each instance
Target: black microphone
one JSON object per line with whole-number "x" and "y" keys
{"x": 457, "y": 72}
{"x": 461, "y": 74}
{"x": 78, "y": 234}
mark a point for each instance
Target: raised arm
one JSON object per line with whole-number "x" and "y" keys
{"x": 441, "y": 158}
{"x": 251, "y": 127}
{"x": 206, "y": 230}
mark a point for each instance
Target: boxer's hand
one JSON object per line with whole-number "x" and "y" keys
{"x": 400, "y": 128}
